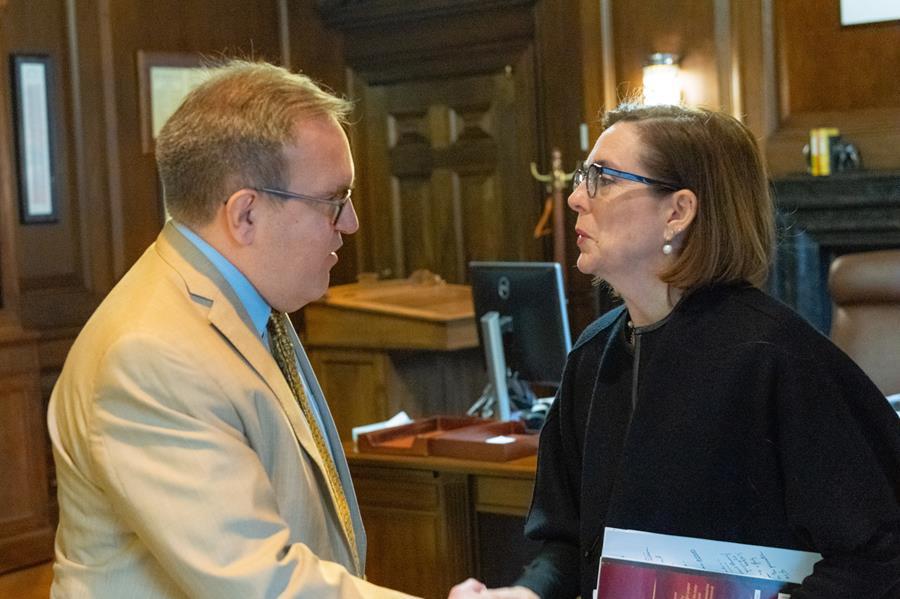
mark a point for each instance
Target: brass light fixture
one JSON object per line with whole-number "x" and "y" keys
{"x": 661, "y": 79}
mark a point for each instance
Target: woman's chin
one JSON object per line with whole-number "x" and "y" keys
{"x": 586, "y": 266}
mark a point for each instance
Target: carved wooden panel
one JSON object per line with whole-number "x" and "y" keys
{"x": 444, "y": 173}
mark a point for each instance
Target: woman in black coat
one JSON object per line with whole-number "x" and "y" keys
{"x": 702, "y": 407}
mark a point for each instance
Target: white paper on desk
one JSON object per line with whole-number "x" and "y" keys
{"x": 396, "y": 420}
{"x": 771, "y": 563}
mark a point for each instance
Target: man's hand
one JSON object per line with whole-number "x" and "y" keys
{"x": 466, "y": 589}
{"x": 509, "y": 593}
{"x": 473, "y": 589}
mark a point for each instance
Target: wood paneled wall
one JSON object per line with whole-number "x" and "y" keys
{"x": 9, "y": 282}
{"x": 784, "y": 66}
{"x": 835, "y": 76}
{"x": 209, "y": 27}
{"x": 829, "y": 68}
{"x": 108, "y": 203}
{"x": 685, "y": 28}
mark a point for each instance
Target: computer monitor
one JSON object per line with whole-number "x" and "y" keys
{"x": 528, "y": 306}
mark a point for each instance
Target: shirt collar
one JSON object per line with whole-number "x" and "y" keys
{"x": 253, "y": 302}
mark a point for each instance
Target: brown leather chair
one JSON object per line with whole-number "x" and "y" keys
{"x": 865, "y": 288}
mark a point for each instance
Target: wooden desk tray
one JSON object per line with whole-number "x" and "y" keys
{"x": 412, "y": 438}
{"x": 470, "y": 442}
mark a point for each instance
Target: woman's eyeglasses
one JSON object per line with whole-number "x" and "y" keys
{"x": 592, "y": 173}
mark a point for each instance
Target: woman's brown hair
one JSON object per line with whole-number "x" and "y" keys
{"x": 714, "y": 155}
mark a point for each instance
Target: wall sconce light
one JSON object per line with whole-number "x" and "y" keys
{"x": 661, "y": 84}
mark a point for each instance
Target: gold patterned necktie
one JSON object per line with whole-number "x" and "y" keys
{"x": 283, "y": 351}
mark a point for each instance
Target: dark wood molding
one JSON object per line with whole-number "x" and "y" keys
{"x": 353, "y": 14}
{"x": 9, "y": 288}
{"x": 440, "y": 61}
{"x": 453, "y": 45}
{"x": 875, "y": 132}
{"x": 855, "y": 210}
{"x": 821, "y": 218}
{"x": 58, "y": 307}
{"x": 114, "y": 171}
{"x": 89, "y": 147}
{"x": 753, "y": 38}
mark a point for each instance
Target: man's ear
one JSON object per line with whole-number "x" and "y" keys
{"x": 683, "y": 210}
{"x": 241, "y": 214}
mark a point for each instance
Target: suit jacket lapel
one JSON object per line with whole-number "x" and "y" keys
{"x": 331, "y": 434}
{"x": 227, "y": 314}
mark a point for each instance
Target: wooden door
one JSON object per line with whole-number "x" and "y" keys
{"x": 444, "y": 172}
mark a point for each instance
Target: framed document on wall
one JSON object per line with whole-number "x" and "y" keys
{"x": 164, "y": 79}
{"x": 858, "y": 12}
{"x": 32, "y": 85}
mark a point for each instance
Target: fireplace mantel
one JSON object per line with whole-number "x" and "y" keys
{"x": 823, "y": 217}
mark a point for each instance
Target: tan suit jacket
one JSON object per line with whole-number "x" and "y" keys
{"x": 185, "y": 466}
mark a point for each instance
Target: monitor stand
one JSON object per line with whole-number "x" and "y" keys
{"x": 492, "y": 325}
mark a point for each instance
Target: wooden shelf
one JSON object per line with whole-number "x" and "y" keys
{"x": 393, "y": 315}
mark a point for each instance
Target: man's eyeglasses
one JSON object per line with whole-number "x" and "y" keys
{"x": 594, "y": 171}
{"x": 336, "y": 202}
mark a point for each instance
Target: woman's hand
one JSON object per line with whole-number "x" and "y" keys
{"x": 474, "y": 589}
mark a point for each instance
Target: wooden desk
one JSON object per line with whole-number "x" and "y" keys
{"x": 384, "y": 346}
{"x": 423, "y": 516}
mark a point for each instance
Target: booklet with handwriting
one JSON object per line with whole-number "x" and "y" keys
{"x": 645, "y": 565}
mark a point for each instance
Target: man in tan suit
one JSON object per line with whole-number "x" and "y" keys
{"x": 195, "y": 454}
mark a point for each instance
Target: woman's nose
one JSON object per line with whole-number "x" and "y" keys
{"x": 578, "y": 200}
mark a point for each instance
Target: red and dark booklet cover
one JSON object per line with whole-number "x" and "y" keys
{"x": 644, "y": 565}
{"x": 621, "y": 579}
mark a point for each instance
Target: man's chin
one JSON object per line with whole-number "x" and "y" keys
{"x": 311, "y": 294}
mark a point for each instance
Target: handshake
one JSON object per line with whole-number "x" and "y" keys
{"x": 475, "y": 589}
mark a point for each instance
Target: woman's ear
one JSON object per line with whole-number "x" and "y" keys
{"x": 241, "y": 213}
{"x": 683, "y": 210}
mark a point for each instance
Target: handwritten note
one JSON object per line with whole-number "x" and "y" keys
{"x": 770, "y": 563}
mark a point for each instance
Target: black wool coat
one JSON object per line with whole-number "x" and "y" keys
{"x": 749, "y": 426}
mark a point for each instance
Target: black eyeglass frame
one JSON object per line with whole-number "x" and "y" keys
{"x": 583, "y": 173}
{"x": 337, "y": 202}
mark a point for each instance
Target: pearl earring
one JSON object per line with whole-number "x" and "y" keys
{"x": 667, "y": 246}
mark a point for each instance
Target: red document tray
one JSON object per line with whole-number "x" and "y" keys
{"x": 412, "y": 438}
{"x": 469, "y": 443}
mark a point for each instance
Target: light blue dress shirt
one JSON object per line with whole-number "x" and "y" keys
{"x": 257, "y": 307}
